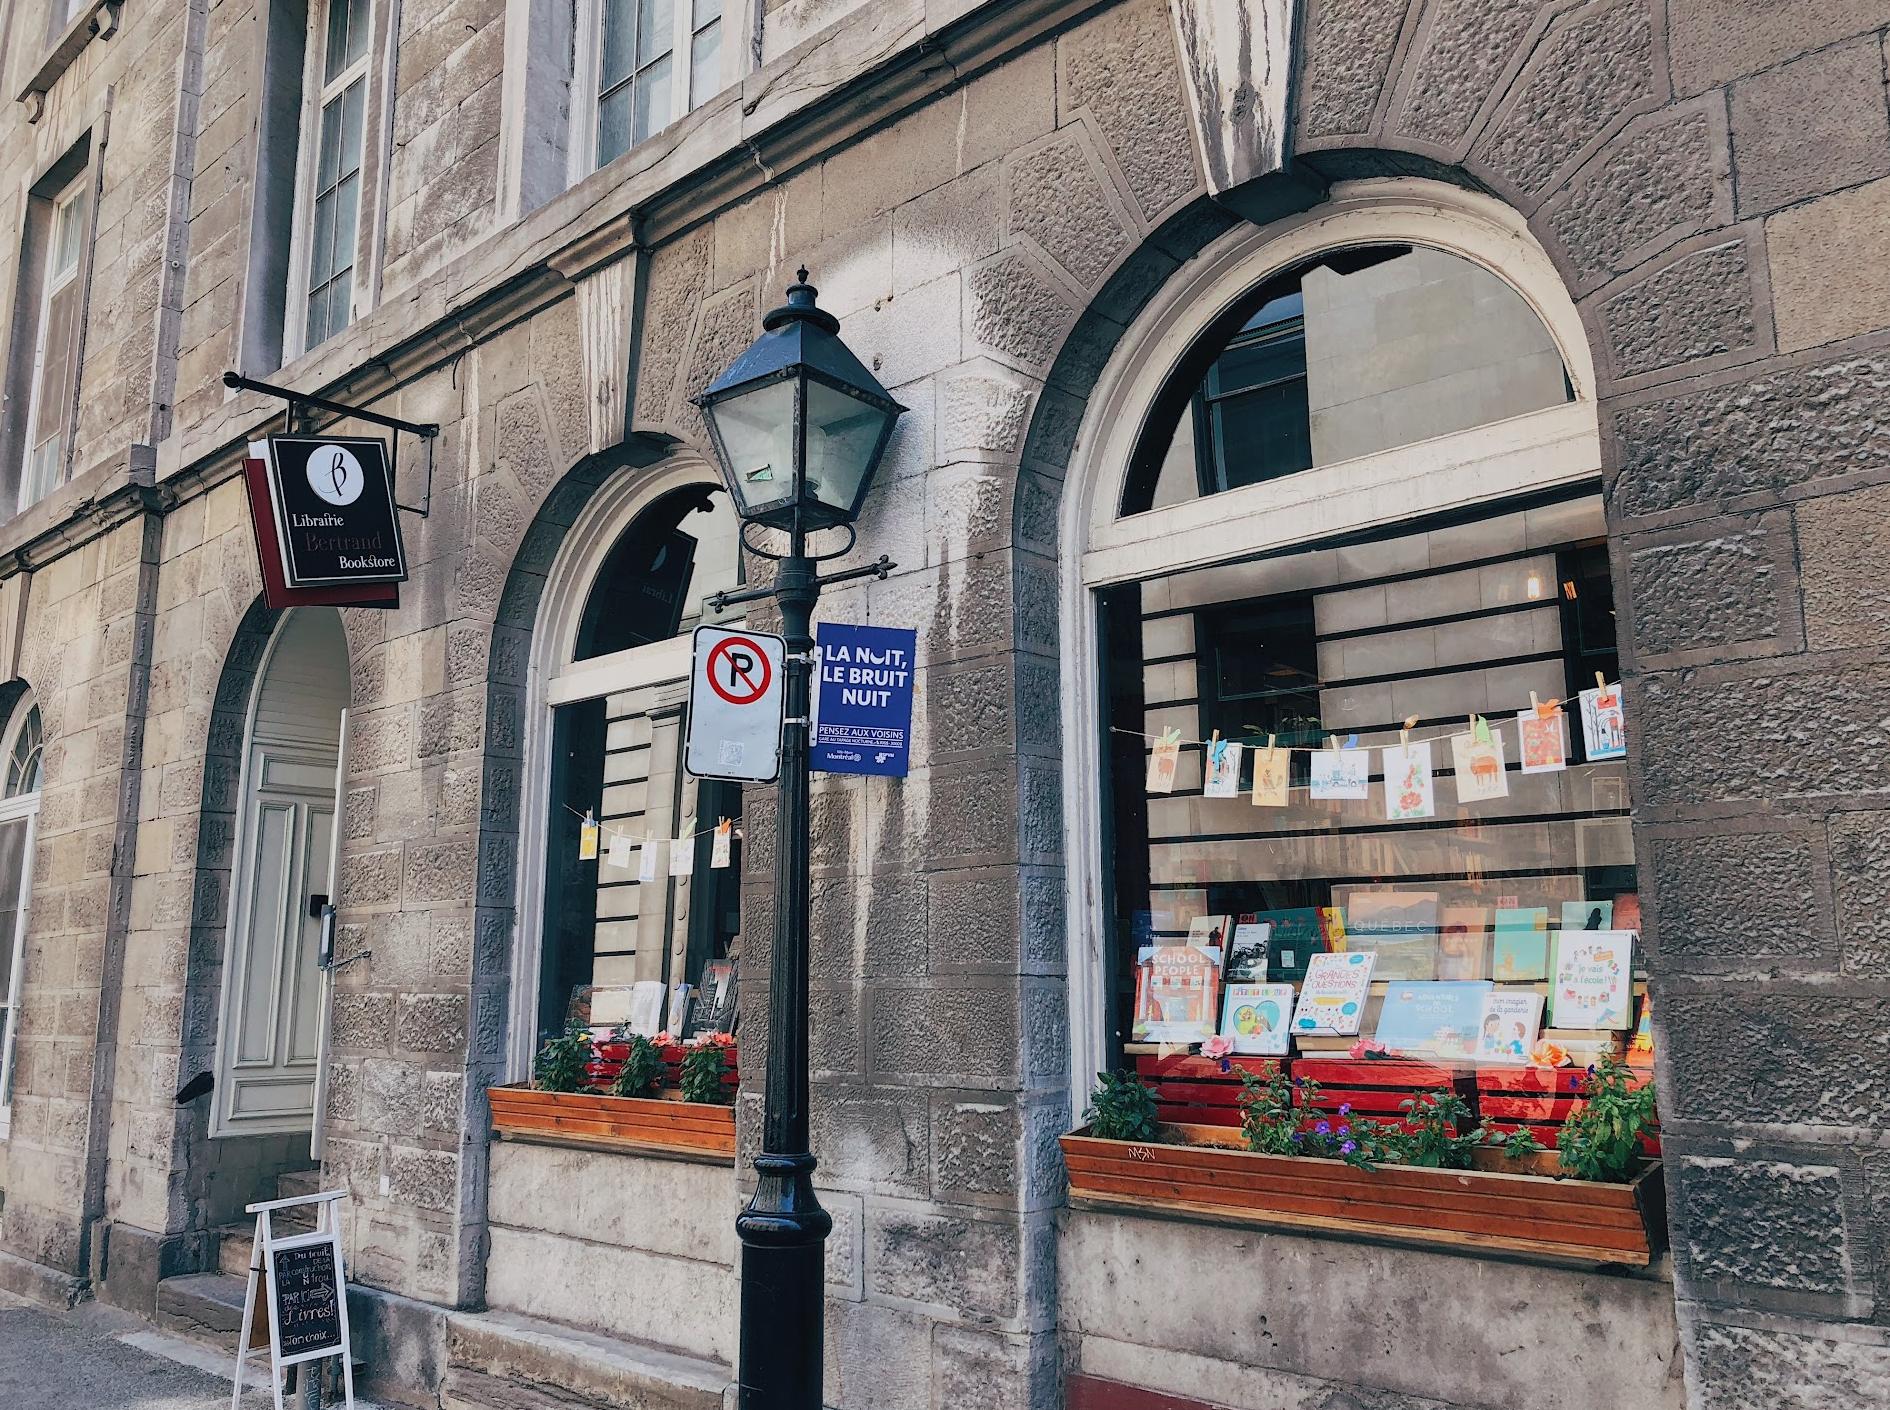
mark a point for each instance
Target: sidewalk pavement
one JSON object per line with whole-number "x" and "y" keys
{"x": 97, "y": 1358}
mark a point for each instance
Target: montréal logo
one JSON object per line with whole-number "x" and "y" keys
{"x": 335, "y": 475}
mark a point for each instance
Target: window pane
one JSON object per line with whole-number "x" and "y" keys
{"x": 353, "y": 103}
{"x": 321, "y": 240}
{"x": 347, "y": 201}
{"x": 613, "y": 125}
{"x": 619, "y": 758}
{"x": 347, "y": 36}
{"x": 705, "y": 64}
{"x": 652, "y": 101}
{"x": 1262, "y": 435}
{"x": 42, "y": 470}
{"x": 1467, "y": 871}
{"x": 706, "y": 12}
{"x": 23, "y": 762}
{"x": 12, "y": 859}
{"x": 68, "y": 230}
{"x": 1389, "y": 346}
{"x": 617, "y": 42}
{"x": 656, "y": 30}
{"x": 328, "y": 153}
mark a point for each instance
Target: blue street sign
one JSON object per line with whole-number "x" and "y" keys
{"x": 863, "y": 718}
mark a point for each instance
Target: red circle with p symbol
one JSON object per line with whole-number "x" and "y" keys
{"x": 738, "y": 670}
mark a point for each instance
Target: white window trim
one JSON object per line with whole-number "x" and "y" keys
{"x": 72, "y": 191}
{"x": 316, "y": 95}
{"x": 587, "y": 57}
{"x": 26, "y": 805}
{"x": 1554, "y": 447}
{"x": 553, "y": 678}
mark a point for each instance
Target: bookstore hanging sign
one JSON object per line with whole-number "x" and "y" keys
{"x": 333, "y": 503}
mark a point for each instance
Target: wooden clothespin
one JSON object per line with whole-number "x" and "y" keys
{"x": 1544, "y": 712}
{"x": 1404, "y": 731}
{"x": 1332, "y": 743}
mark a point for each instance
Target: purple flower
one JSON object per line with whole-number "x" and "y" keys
{"x": 1345, "y": 1108}
{"x": 1345, "y": 1129}
{"x": 1324, "y": 1128}
{"x": 1348, "y": 1147}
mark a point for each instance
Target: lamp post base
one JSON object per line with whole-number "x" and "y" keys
{"x": 784, "y": 1234}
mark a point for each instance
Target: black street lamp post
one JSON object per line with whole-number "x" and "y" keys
{"x": 798, "y": 427}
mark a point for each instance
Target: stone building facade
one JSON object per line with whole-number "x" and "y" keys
{"x": 1012, "y": 207}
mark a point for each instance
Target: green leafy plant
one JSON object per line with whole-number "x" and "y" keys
{"x": 702, "y": 1071}
{"x": 1602, "y": 1140}
{"x": 1268, "y": 1118}
{"x": 1273, "y": 1125}
{"x": 1518, "y": 1144}
{"x": 1434, "y": 1134}
{"x": 642, "y": 1067}
{"x": 561, "y": 1062}
{"x": 1122, "y": 1109}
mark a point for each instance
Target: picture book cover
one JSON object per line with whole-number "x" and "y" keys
{"x": 1593, "y": 986}
{"x": 1588, "y": 915}
{"x": 1180, "y": 1000}
{"x": 1409, "y": 792}
{"x": 1511, "y": 1020}
{"x": 1209, "y": 930}
{"x": 1332, "y": 927}
{"x": 1341, "y": 773}
{"x": 1463, "y": 942}
{"x": 1332, "y": 1000}
{"x": 1542, "y": 740}
{"x": 1295, "y": 937}
{"x": 1256, "y": 1017}
{"x": 1223, "y": 770}
{"x": 1627, "y": 912}
{"x": 1247, "y": 952}
{"x": 1478, "y": 767}
{"x": 1522, "y": 944}
{"x": 1604, "y": 723}
{"x": 1270, "y": 774}
{"x": 1435, "y": 1020}
{"x": 1400, "y": 927}
{"x": 1163, "y": 760}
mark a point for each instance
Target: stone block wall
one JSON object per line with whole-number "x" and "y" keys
{"x": 1710, "y": 176}
{"x": 84, "y": 654}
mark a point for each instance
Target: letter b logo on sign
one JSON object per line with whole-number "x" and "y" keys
{"x": 735, "y": 701}
{"x": 335, "y": 475}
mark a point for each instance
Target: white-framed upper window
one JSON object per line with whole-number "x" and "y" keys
{"x": 56, "y": 345}
{"x": 19, "y": 814}
{"x": 640, "y": 65}
{"x": 334, "y": 122}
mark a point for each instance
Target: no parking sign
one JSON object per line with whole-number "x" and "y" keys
{"x": 735, "y": 699}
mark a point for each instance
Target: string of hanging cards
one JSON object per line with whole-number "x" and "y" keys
{"x": 650, "y": 850}
{"x": 1342, "y": 769}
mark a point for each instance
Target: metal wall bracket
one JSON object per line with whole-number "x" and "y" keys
{"x": 297, "y": 409}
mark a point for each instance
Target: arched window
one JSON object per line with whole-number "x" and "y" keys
{"x": 620, "y": 920}
{"x": 1346, "y": 354}
{"x": 21, "y": 746}
{"x": 1343, "y": 517}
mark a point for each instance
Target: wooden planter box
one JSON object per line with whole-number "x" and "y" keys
{"x": 651, "y": 1125}
{"x": 1209, "y": 1176}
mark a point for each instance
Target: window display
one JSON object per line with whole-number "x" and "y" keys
{"x": 1441, "y": 820}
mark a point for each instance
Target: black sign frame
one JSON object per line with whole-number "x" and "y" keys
{"x": 318, "y": 530}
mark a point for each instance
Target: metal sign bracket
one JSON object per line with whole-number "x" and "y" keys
{"x": 299, "y": 402}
